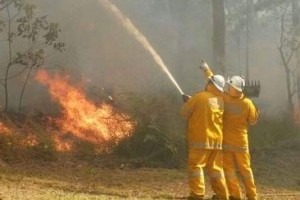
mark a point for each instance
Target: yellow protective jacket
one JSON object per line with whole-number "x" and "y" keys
{"x": 239, "y": 113}
{"x": 204, "y": 112}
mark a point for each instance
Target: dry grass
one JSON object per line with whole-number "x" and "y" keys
{"x": 69, "y": 181}
{"x": 277, "y": 175}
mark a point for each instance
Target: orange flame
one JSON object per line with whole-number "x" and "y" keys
{"x": 30, "y": 141}
{"x": 62, "y": 145}
{"x": 4, "y": 129}
{"x": 81, "y": 117}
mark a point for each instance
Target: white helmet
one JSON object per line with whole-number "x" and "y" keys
{"x": 237, "y": 82}
{"x": 218, "y": 81}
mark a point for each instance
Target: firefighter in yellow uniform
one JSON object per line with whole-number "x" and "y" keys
{"x": 204, "y": 112}
{"x": 239, "y": 113}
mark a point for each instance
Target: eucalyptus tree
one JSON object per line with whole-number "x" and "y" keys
{"x": 28, "y": 40}
{"x": 219, "y": 31}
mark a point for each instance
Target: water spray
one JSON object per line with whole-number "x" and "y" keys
{"x": 134, "y": 31}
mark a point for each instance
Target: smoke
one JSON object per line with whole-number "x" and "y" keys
{"x": 130, "y": 27}
{"x": 100, "y": 49}
{"x": 102, "y": 53}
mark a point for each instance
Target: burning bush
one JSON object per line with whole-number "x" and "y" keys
{"x": 26, "y": 139}
{"x": 82, "y": 118}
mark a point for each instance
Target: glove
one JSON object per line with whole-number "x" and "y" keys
{"x": 203, "y": 65}
{"x": 185, "y": 97}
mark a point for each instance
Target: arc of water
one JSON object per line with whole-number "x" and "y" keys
{"x": 134, "y": 31}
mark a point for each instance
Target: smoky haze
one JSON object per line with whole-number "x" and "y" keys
{"x": 100, "y": 52}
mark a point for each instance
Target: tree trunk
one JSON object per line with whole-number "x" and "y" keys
{"x": 24, "y": 87}
{"x": 286, "y": 60}
{"x": 290, "y": 95}
{"x": 218, "y": 39}
{"x": 9, "y": 61}
{"x": 296, "y": 28}
{"x": 180, "y": 15}
{"x": 250, "y": 7}
{"x": 238, "y": 44}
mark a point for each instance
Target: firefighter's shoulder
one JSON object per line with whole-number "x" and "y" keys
{"x": 199, "y": 92}
{"x": 247, "y": 100}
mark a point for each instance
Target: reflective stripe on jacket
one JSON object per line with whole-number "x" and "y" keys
{"x": 204, "y": 112}
{"x": 239, "y": 113}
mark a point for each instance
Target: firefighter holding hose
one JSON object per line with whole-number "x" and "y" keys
{"x": 239, "y": 113}
{"x": 204, "y": 112}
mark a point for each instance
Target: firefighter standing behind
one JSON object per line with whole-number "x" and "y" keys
{"x": 239, "y": 112}
{"x": 204, "y": 112}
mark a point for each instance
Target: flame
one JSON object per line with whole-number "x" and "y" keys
{"x": 30, "y": 141}
{"x": 61, "y": 144}
{"x": 4, "y": 129}
{"x": 83, "y": 118}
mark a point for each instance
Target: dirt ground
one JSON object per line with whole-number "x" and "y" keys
{"x": 277, "y": 175}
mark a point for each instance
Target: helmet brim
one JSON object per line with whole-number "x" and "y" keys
{"x": 238, "y": 89}
{"x": 216, "y": 85}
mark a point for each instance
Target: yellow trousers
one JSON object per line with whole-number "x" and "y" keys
{"x": 239, "y": 161}
{"x": 212, "y": 160}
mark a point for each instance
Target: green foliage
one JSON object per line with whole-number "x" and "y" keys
{"x": 32, "y": 28}
{"x": 159, "y": 135}
{"x": 272, "y": 133}
{"x": 150, "y": 147}
{"x": 31, "y": 38}
{"x": 36, "y": 58}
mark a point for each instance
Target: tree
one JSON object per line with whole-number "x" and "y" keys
{"x": 30, "y": 40}
{"x": 250, "y": 7}
{"x": 296, "y": 36}
{"x": 241, "y": 19}
{"x": 287, "y": 48}
{"x": 236, "y": 25}
{"x": 218, "y": 39}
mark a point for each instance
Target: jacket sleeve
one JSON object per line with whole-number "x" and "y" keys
{"x": 208, "y": 73}
{"x": 253, "y": 113}
{"x": 188, "y": 107}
